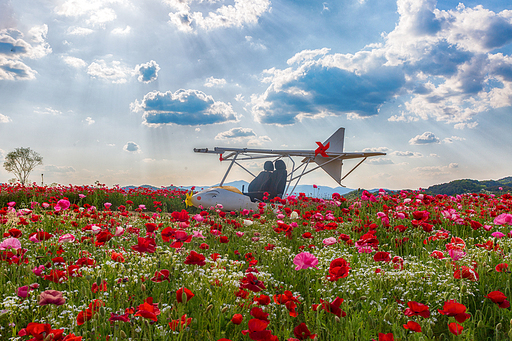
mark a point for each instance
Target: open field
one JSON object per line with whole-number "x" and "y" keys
{"x": 97, "y": 263}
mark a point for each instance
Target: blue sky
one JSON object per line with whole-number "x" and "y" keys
{"x": 121, "y": 91}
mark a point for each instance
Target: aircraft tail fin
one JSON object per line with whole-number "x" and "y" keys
{"x": 333, "y": 168}
{"x": 336, "y": 141}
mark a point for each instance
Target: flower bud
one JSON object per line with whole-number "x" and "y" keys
{"x": 363, "y": 298}
{"x": 499, "y": 326}
{"x": 208, "y": 308}
{"x": 102, "y": 311}
{"x": 98, "y": 281}
{"x": 122, "y": 334}
{"x": 142, "y": 287}
{"x": 337, "y": 319}
{"x": 224, "y": 309}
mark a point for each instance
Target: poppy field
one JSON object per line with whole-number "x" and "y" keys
{"x": 99, "y": 263}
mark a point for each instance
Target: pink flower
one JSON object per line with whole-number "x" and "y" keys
{"x": 119, "y": 231}
{"x": 67, "y": 238}
{"x": 456, "y": 254}
{"x": 38, "y": 270}
{"x": 497, "y": 234}
{"x": 199, "y": 218}
{"x": 23, "y": 291}
{"x": 329, "y": 241}
{"x": 503, "y": 219}
{"x": 142, "y": 206}
{"x": 198, "y": 234}
{"x": 51, "y": 297}
{"x": 62, "y": 204}
{"x": 11, "y": 204}
{"x": 305, "y": 260}
{"x": 107, "y": 205}
{"x": 239, "y": 233}
{"x": 9, "y": 243}
{"x": 364, "y": 249}
{"x": 487, "y": 227}
{"x": 81, "y": 196}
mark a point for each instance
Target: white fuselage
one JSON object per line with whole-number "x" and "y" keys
{"x": 230, "y": 201}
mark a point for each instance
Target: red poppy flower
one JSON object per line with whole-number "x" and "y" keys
{"x": 103, "y": 237}
{"x": 333, "y": 307}
{"x": 302, "y": 332}
{"x": 237, "y": 319}
{"x": 145, "y": 245}
{"x": 148, "y": 310}
{"x": 115, "y": 317}
{"x": 386, "y": 337}
{"x": 499, "y": 298}
{"x": 195, "y": 258}
{"x": 252, "y": 283}
{"x": 382, "y": 256}
{"x": 160, "y": 276}
{"x": 184, "y": 294}
{"x": 180, "y": 216}
{"x": 262, "y": 299}
{"x": 416, "y": 308}
{"x": 455, "y": 309}
{"x": 502, "y": 267}
{"x": 56, "y": 276}
{"x": 182, "y": 322}
{"x": 455, "y": 328}
{"x": 224, "y": 239}
{"x": 257, "y": 330}
{"x": 259, "y": 314}
{"x": 339, "y": 268}
{"x": 204, "y": 246}
{"x": 466, "y": 272}
{"x": 102, "y": 287}
{"x": 117, "y": 257}
{"x": 40, "y": 330}
{"x": 413, "y": 326}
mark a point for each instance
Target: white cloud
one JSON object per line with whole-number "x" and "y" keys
{"x": 469, "y": 125}
{"x": 74, "y": 62}
{"x": 132, "y": 147}
{"x": 188, "y": 15}
{"x": 375, "y": 149}
{"x": 94, "y": 12}
{"x": 406, "y": 154}
{"x": 121, "y": 31}
{"x": 89, "y": 121}
{"x": 4, "y": 119}
{"x": 380, "y": 161}
{"x": 425, "y": 138}
{"x": 211, "y": 82}
{"x": 453, "y": 165}
{"x": 183, "y": 107}
{"x": 453, "y": 138}
{"x": 442, "y": 60}
{"x": 117, "y": 72}
{"x": 47, "y": 111}
{"x": 79, "y": 31}
{"x": 243, "y": 135}
{"x": 58, "y": 169}
{"x": 147, "y": 72}
{"x": 13, "y": 49}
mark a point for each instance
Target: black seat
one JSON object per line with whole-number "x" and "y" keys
{"x": 261, "y": 183}
{"x": 278, "y": 183}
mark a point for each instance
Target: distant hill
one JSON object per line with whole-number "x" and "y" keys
{"x": 472, "y": 186}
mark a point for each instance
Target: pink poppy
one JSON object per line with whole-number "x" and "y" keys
{"x": 51, "y": 297}
{"x": 23, "y": 291}
{"x": 456, "y": 254}
{"x": 67, "y": 238}
{"x": 62, "y": 205}
{"x": 198, "y": 234}
{"x": 305, "y": 260}
{"x": 10, "y": 243}
{"x": 497, "y": 234}
{"x": 199, "y": 218}
{"x": 502, "y": 219}
{"x": 38, "y": 270}
{"x": 329, "y": 241}
{"x": 107, "y": 205}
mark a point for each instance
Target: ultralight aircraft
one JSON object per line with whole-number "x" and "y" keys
{"x": 274, "y": 180}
